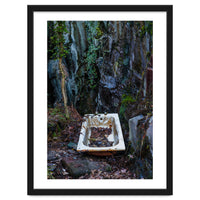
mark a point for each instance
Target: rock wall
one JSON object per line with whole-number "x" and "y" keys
{"x": 105, "y": 60}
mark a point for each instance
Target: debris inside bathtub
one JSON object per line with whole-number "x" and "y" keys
{"x": 99, "y": 137}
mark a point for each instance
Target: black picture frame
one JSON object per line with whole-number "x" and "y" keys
{"x": 169, "y": 93}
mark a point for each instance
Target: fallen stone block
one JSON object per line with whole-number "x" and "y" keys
{"x": 77, "y": 168}
{"x": 137, "y": 132}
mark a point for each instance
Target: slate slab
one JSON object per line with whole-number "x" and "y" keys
{"x": 72, "y": 145}
{"x": 135, "y": 136}
{"x": 77, "y": 168}
{"x": 52, "y": 155}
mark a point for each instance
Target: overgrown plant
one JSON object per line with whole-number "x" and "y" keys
{"x": 93, "y": 33}
{"x": 58, "y": 51}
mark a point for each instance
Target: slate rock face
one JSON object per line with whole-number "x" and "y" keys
{"x": 118, "y": 53}
{"x": 149, "y": 134}
{"x": 140, "y": 127}
{"x": 133, "y": 135}
{"x": 54, "y": 79}
{"x": 79, "y": 168}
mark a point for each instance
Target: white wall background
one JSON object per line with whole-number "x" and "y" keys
{"x": 13, "y": 101}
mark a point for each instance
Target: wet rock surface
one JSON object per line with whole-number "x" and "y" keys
{"x": 115, "y": 51}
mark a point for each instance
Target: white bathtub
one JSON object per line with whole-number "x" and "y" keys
{"x": 101, "y": 120}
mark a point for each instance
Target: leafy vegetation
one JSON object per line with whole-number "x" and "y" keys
{"x": 143, "y": 28}
{"x": 50, "y": 174}
{"x": 127, "y": 99}
{"x": 93, "y": 33}
{"x": 58, "y": 51}
{"x": 56, "y": 40}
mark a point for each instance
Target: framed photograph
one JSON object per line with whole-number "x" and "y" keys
{"x": 100, "y": 100}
